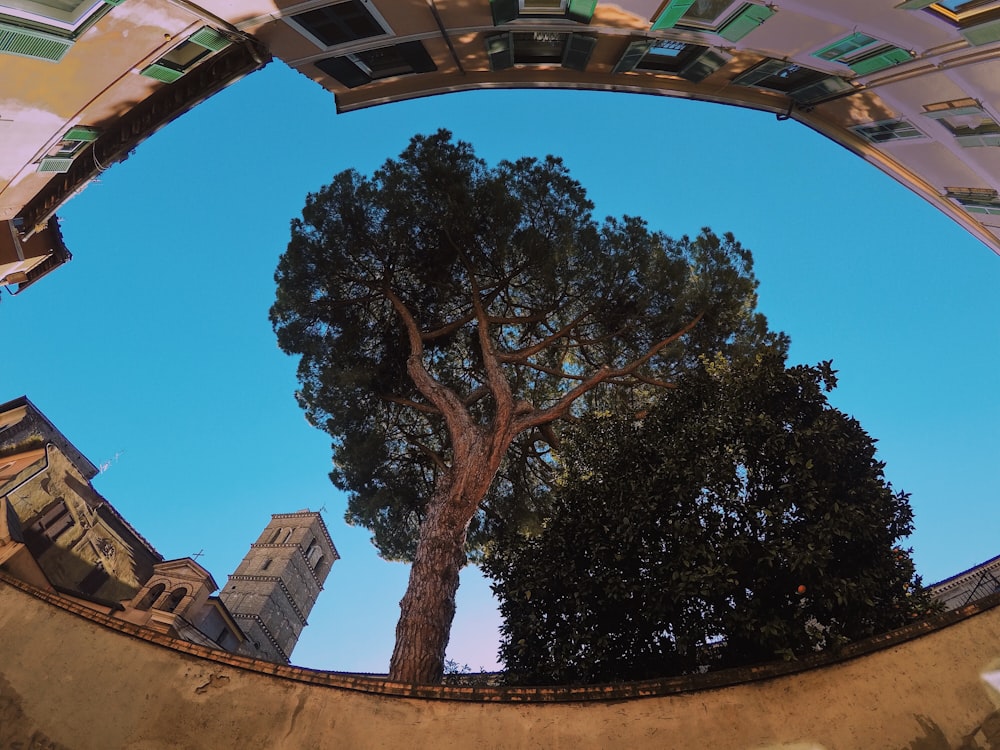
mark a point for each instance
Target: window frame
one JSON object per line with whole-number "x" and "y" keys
{"x": 351, "y": 71}
{"x": 906, "y": 126}
{"x": 576, "y": 50}
{"x": 310, "y": 34}
{"x": 510, "y": 11}
{"x": 739, "y": 19}
{"x": 816, "y": 87}
{"x": 165, "y": 70}
{"x": 982, "y": 201}
{"x": 66, "y": 23}
{"x": 985, "y": 134}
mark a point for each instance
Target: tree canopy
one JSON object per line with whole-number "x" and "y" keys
{"x": 447, "y": 313}
{"x": 742, "y": 519}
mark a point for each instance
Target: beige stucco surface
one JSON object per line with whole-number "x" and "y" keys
{"x": 73, "y": 681}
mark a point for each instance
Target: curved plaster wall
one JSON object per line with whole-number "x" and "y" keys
{"x": 74, "y": 679}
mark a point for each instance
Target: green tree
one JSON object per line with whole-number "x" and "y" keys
{"x": 448, "y": 313}
{"x": 742, "y": 519}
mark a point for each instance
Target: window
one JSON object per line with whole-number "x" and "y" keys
{"x": 690, "y": 61}
{"x": 63, "y": 14}
{"x": 804, "y": 85}
{"x": 363, "y": 67}
{"x": 151, "y": 596}
{"x": 888, "y": 130}
{"x": 863, "y": 54}
{"x": 46, "y": 29}
{"x": 178, "y": 61}
{"x": 314, "y": 555}
{"x": 54, "y": 522}
{"x": 267, "y": 564}
{"x": 967, "y": 121}
{"x": 976, "y": 200}
{"x": 845, "y": 47}
{"x": 730, "y": 20}
{"x": 543, "y": 7}
{"x": 977, "y": 20}
{"x": 706, "y": 11}
{"x": 341, "y": 23}
{"x": 174, "y": 599}
{"x": 540, "y": 48}
{"x": 60, "y": 158}
{"x": 506, "y": 11}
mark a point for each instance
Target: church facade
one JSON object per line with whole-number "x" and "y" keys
{"x": 59, "y": 534}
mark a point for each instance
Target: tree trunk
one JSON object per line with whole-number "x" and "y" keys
{"x": 428, "y": 607}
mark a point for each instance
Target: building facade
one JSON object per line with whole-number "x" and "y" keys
{"x": 968, "y": 586}
{"x": 83, "y": 83}
{"x": 907, "y": 85}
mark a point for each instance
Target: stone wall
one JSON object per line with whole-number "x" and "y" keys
{"x": 76, "y": 680}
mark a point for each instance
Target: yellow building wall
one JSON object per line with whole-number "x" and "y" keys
{"x": 70, "y": 678}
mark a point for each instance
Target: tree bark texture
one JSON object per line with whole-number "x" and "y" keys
{"x": 428, "y": 607}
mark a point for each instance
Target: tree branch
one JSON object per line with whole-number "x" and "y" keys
{"x": 415, "y": 405}
{"x": 561, "y": 407}
{"x": 544, "y": 343}
{"x": 495, "y": 377}
{"x": 432, "y": 455}
{"x": 442, "y": 397}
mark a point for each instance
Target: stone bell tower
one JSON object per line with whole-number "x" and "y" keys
{"x": 273, "y": 590}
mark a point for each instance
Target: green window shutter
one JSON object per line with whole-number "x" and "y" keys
{"x": 844, "y": 46}
{"x": 701, "y": 67}
{"x": 745, "y": 22}
{"x": 501, "y": 51}
{"x": 209, "y": 39}
{"x": 161, "y": 73}
{"x": 672, "y": 14}
{"x": 984, "y": 33}
{"x": 581, "y": 10}
{"x": 504, "y": 11}
{"x": 915, "y": 4}
{"x": 30, "y": 43}
{"x": 81, "y": 133}
{"x": 55, "y": 164}
{"x": 634, "y": 52}
{"x": 579, "y": 48}
{"x": 883, "y": 59}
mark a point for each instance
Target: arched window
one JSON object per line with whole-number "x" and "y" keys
{"x": 313, "y": 554}
{"x": 319, "y": 560}
{"x": 274, "y": 536}
{"x": 288, "y": 533}
{"x": 266, "y": 565}
{"x": 174, "y": 599}
{"x": 151, "y": 596}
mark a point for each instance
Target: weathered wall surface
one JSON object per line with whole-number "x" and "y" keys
{"x": 75, "y": 680}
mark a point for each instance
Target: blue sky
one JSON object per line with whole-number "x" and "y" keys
{"x": 152, "y": 349}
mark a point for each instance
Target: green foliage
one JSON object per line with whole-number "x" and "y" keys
{"x": 742, "y": 519}
{"x": 503, "y": 266}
